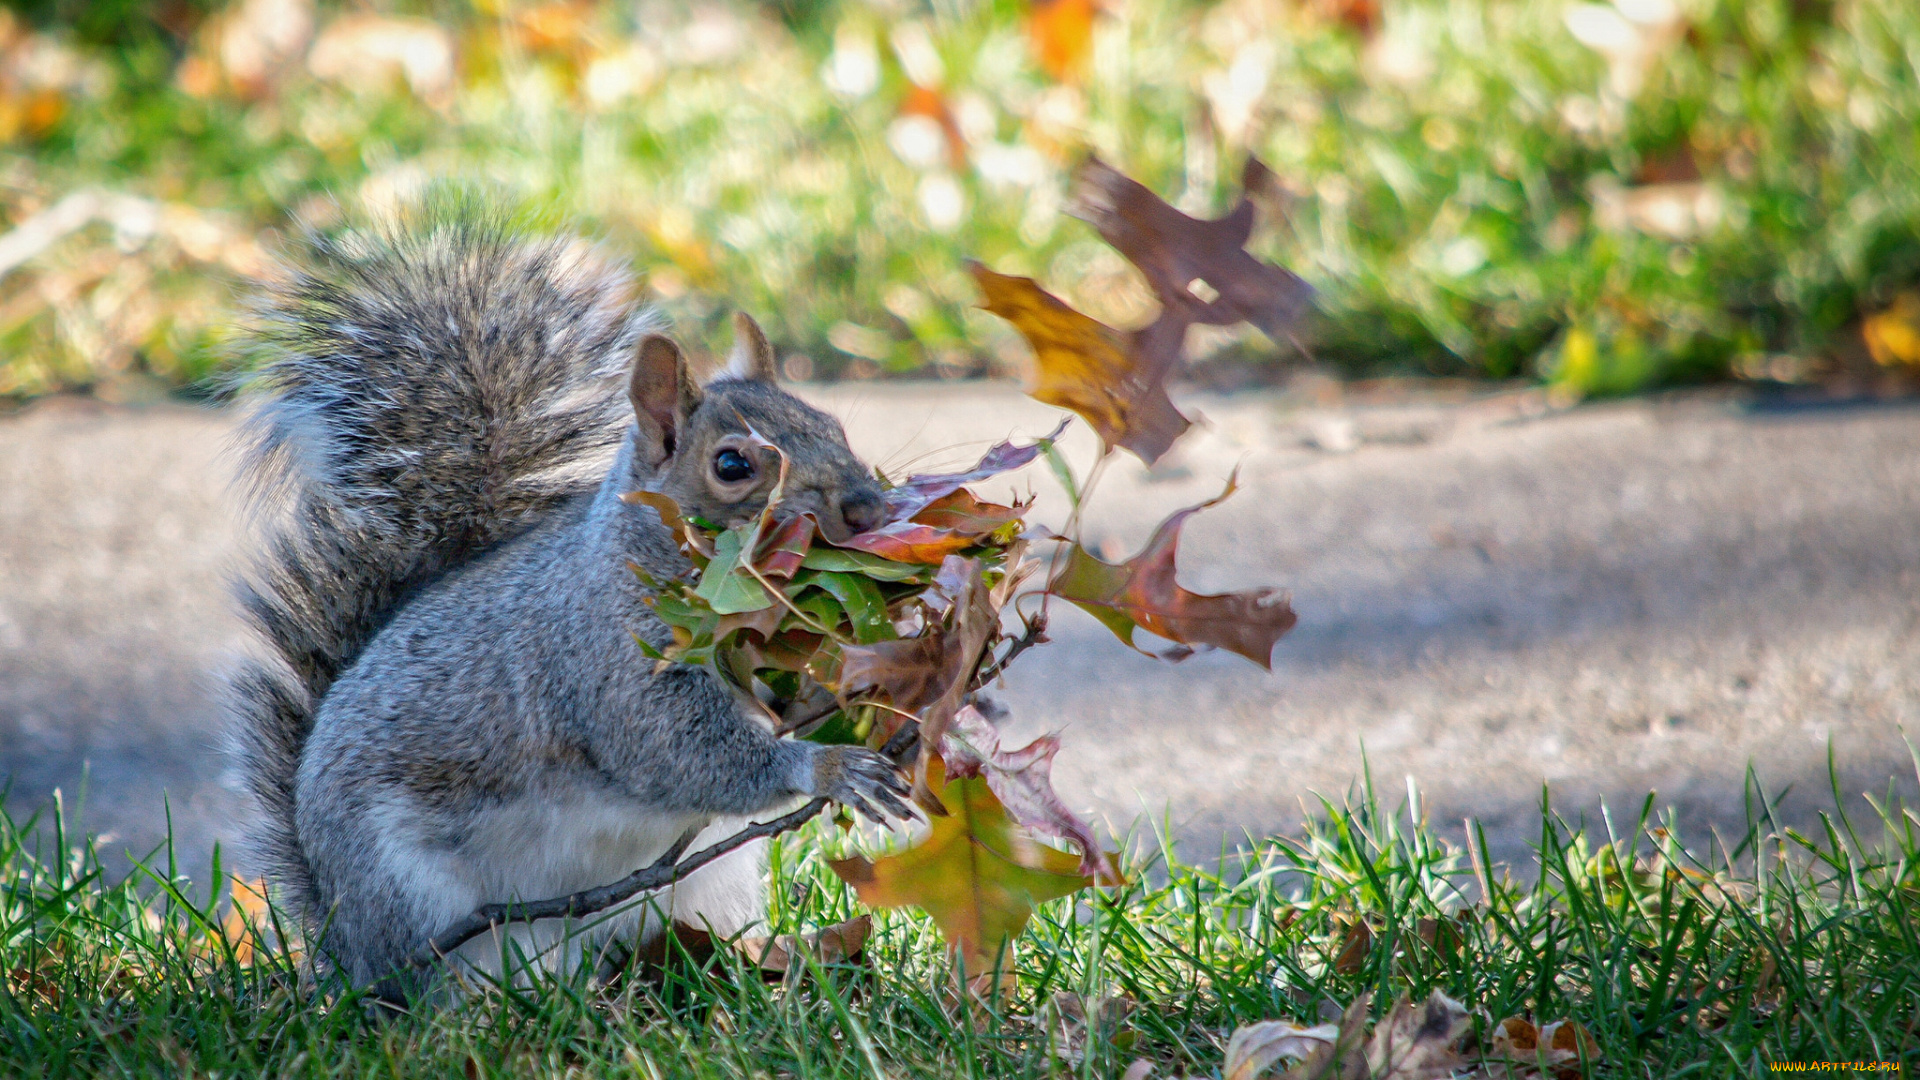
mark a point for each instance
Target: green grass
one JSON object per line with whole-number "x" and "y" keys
{"x": 1710, "y": 961}
{"x": 1450, "y": 183}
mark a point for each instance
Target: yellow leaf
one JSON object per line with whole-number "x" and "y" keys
{"x": 977, "y": 872}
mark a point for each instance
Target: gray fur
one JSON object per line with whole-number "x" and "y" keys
{"x": 461, "y": 716}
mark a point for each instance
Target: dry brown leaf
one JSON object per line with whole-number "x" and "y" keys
{"x": 1116, "y": 381}
{"x": 929, "y": 674}
{"x": 1175, "y": 251}
{"x": 1255, "y": 1047}
{"x": 1553, "y": 1050}
{"x": 1072, "y": 1023}
{"x": 1354, "y": 947}
{"x": 1416, "y": 1042}
{"x": 1341, "y": 1059}
{"x": 836, "y": 944}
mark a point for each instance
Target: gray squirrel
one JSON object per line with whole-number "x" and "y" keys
{"x": 456, "y": 712}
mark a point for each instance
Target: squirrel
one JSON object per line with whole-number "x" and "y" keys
{"x": 455, "y": 712}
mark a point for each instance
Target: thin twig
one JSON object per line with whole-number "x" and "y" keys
{"x": 1033, "y": 633}
{"x": 663, "y": 872}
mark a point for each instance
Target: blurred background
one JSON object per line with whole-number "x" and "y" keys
{"x": 1604, "y": 196}
{"x": 1603, "y": 477}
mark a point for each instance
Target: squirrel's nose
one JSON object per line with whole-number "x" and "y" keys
{"x": 861, "y": 511}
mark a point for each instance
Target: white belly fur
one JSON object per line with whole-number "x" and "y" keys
{"x": 544, "y": 847}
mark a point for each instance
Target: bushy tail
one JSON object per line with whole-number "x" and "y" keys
{"x": 429, "y": 391}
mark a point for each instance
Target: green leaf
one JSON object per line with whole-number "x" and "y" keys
{"x": 866, "y": 609}
{"x": 840, "y": 560}
{"x": 836, "y": 730}
{"x": 724, "y": 586}
{"x": 821, "y": 607}
{"x": 1063, "y": 472}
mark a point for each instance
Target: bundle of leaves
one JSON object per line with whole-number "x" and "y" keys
{"x": 885, "y": 638}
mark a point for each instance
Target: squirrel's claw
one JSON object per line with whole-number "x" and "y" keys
{"x": 864, "y": 782}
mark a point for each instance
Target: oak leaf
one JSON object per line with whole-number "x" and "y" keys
{"x": 1142, "y": 593}
{"x": 977, "y": 873}
{"x": 1022, "y": 780}
{"x": 1175, "y": 251}
{"x": 1116, "y": 381}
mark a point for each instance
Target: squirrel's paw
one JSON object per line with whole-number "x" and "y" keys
{"x": 862, "y": 781}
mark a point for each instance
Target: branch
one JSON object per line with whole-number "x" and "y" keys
{"x": 663, "y": 872}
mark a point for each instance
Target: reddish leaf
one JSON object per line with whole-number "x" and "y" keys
{"x": 907, "y": 542}
{"x": 1115, "y": 380}
{"x": 962, "y": 513}
{"x": 764, "y": 622}
{"x": 977, "y": 873}
{"x": 918, "y": 492}
{"x": 1022, "y": 780}
{"x": 779, "y": 554}
{"x": 1174, "y": 251}
{"x": 1143, "y": 592}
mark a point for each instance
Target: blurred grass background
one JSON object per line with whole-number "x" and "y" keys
{"x": 1602, "y": 196}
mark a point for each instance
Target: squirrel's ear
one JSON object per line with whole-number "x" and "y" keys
{"x": 752, "y": 357}
{"x": 663, "y": 396}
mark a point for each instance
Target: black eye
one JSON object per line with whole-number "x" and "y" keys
{"x": 731, "y": 466}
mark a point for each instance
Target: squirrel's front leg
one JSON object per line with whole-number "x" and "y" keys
{"x": 687, "y": 746}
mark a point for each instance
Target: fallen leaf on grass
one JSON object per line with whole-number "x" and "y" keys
{"x": 1022, "y": 780}
{"x": 1116, "y": 381}
{"x": 977, "y": 873}
{"x": 1412, "y": 1042}
{"x": 1142, "y": 593}
{"x": 1354, "y": 948}
{"x": 1072, "y": 1023}
{"x": 1550, "y": 1050}
{"x": 836, "y": 944}
{"x": 1416, "y": 1042}
{"x": 1255, "y": 1047}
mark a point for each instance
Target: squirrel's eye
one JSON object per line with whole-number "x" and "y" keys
{"x": 730, "y": 466}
